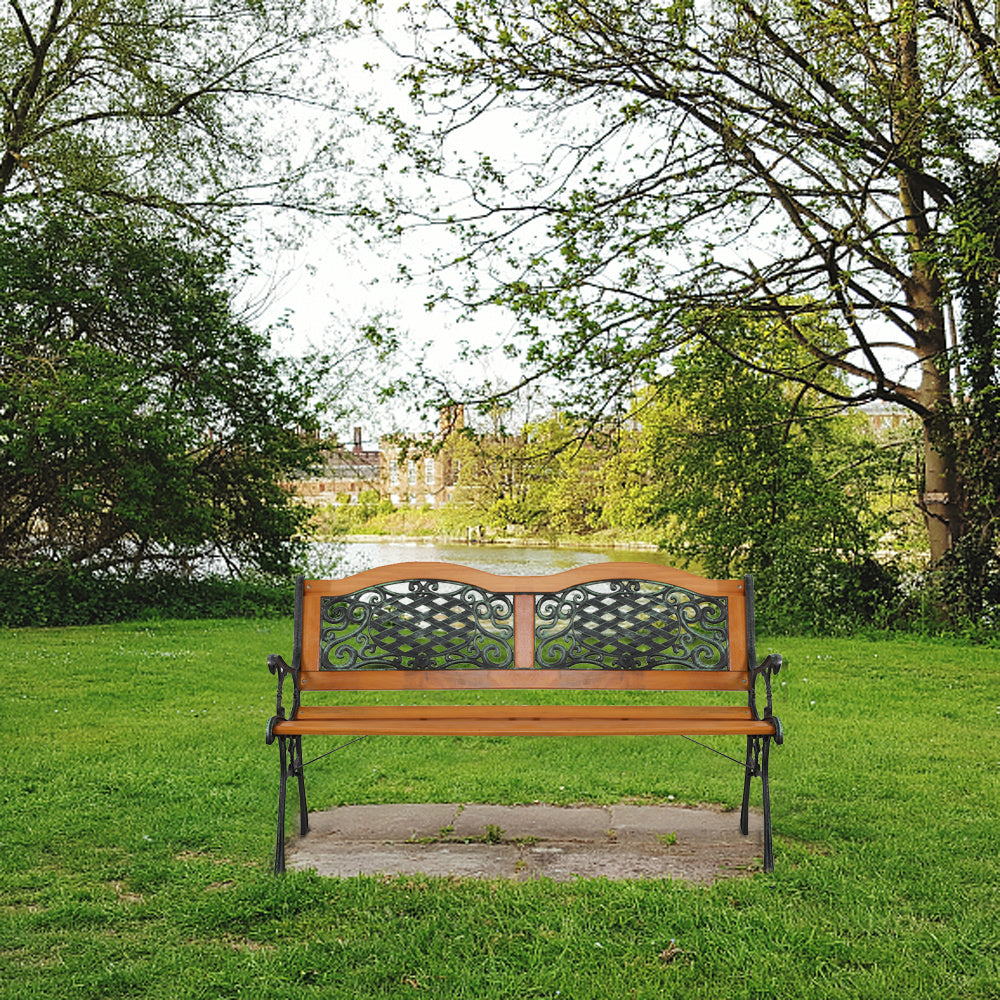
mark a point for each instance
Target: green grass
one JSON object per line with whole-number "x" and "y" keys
{"x": 137, "y": 824}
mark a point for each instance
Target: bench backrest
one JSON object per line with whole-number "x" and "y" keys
{"x": 427, "y": 625}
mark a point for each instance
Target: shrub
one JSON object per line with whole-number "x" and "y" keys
{"x": 76, "y": 597}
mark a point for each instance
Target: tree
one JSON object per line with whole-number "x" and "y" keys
{"x": 489, "y": 459}
{"x": 186, "y": 109}
{"x": 546, "y": 478}
{"x": 741, "y": 472}
{"x": 142, "y": 425}
{"x": 566, "y": 474}
{"x": 789, "y": 158}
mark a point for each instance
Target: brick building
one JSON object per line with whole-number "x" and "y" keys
{"x": 345, "y": 473}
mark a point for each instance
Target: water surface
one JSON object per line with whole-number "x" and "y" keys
{"x": 342, "y": 558}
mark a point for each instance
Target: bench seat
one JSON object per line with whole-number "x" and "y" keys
{"x": 524, "y": 720}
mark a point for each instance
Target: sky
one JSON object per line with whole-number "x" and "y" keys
{"x": 329, "y": 289}
{"x": 326, "y": 283}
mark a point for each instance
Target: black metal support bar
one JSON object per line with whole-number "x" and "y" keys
{"x": 758, "y": 755}
{"x": 278, "y": 666}
{"x": 297, "y": 767}
{"x": 279, "y": 844}
{"x": 717, "y": 752}
{"x": 770, "y": 667}
{"x": 334, "y": 750}
{"x": 292, "y": 765}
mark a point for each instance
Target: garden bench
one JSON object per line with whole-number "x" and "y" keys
{"x": 609, "y": 627}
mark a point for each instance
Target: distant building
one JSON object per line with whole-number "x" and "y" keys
{"x": 424, "y": 471}
{"x": 343, "y": 475}
{"x": 415, "y": 473}
{"x": 885, "y": 417}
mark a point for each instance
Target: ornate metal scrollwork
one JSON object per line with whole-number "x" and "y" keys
{"x": 769, "y": 668}
{"x": 631, "y": 625}
{"x": 417, "y": 625}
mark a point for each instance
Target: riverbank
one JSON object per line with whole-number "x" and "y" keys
{"x": 369, "y": 524}
{"x": 510, "y": 541}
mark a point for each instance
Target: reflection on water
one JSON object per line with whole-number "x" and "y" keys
{"x": 329, "y": 559}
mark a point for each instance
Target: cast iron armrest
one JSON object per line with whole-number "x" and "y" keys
{"x": 277, "y": 665}
{"x": 769, "y": 667}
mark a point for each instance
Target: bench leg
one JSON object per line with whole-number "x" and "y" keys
{"x": 290, "y": 752}
{"x": 299, "y": 770}
{"x": 758, "y": 754}
{"x": 279, "y": 844}
{"x": 750, "y": 769}
{"x": 768, "y": 845}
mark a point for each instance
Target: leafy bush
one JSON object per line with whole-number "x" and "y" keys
{"x": 825, "y": 595}
{"x": 143, "y": 423}
{"x": 81, "y": 598}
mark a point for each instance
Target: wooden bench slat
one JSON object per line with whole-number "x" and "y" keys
{"x": 545, "y": 584}
{"x": 473, "y": 679}
{"x": 500, "y": 720}
{"x": 730, "y": 712}
{"x": 390, "y": 721}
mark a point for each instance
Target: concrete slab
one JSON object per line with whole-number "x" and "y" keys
{"x": 619, "y": 861}
{"x": 382, "y": 824}
{"x": 703, "y": 826}
{"x": 484, "y": 861}
{"x": 541, "y": 821}
{"x": 523, "y": 842}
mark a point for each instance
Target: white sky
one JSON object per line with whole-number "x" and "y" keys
{"x": 331, "y": 284}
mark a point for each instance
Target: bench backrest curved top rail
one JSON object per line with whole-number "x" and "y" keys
{"x": 607, "y": 625}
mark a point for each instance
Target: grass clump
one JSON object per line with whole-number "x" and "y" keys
{"x": 136, "y": 825}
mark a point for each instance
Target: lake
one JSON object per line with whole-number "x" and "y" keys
{"x": 328, "y": 559}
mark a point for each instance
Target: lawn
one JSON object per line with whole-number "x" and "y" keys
{"x": 137, "y": 825}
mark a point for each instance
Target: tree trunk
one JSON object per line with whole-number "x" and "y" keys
{"x": 940, "y": 500}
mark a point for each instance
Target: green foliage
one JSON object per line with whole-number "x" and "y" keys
{"x": 551, "y": 483}
{"x": 142, "y": 425}
{"x": 79, "y": 597}
{"x": 734, "y": 469}
{"x": 330, "y": 520}
{"x": 968, "y": 581}
{"x": 160, "y": 103}
{"x": 747, "y": 473}
{"x": 566, "y": 492}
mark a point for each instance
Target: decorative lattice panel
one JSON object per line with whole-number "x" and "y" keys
{"x": 608, "y": 625}
{"x": 416, "y": 625}
{"x": 631, "y": 625}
